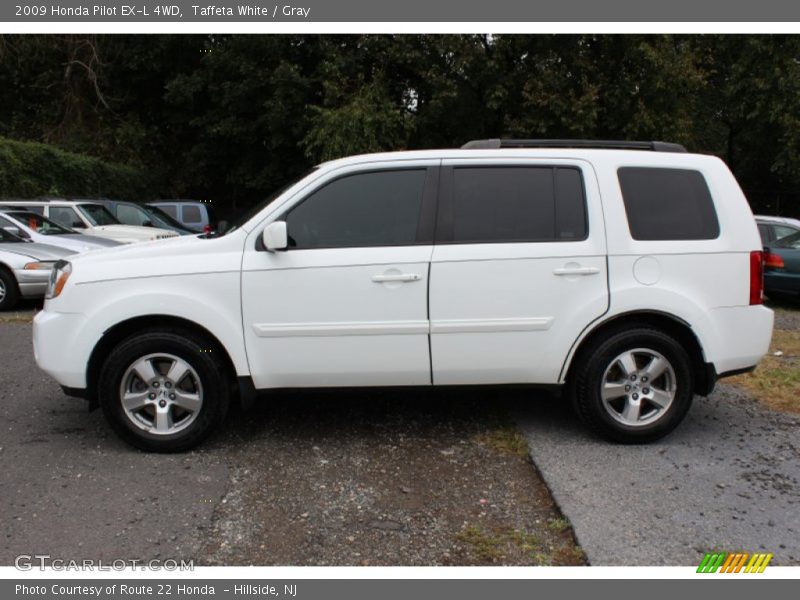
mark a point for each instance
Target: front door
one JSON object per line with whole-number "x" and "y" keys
{"x": 346, "y": 303}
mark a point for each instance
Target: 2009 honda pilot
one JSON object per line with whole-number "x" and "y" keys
{"x": 629, "y": 273}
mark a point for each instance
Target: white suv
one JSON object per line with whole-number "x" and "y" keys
{"x": 626, "y": 273}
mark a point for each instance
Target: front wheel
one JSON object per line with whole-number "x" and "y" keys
{"x": 8, "y": 290}
{"x": 163, "y": 391}
{"x": 634, "y": 386}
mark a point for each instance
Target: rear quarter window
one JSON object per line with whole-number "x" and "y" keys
{"x": 192, "y": 214}
{"x": 668, "y": 204}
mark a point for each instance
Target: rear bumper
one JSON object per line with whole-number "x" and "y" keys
{"x": 742, "y": 337}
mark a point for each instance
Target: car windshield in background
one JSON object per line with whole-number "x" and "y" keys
{"x": 7, "y": 236}
{"x": 790, "y": 241}
{"x": 97, "y": 214}
{"x": 39, "y": 224}
{"x": 162, "y": 219}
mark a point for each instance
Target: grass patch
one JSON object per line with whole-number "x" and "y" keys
{"x": 16, "y": 317}
{"x": 506, "y": 439}
{"x": 496, "y": 545}
{"x": 486, "y": 547}
{"x": 558, "y": 524}
{"x": 776, "y": 381}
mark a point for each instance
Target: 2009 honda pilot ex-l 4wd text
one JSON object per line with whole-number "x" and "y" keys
{"x": 627, "y": 273}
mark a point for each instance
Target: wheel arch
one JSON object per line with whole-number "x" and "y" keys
{"x": 124, "y": 329}
{"x": 704, "y": 375}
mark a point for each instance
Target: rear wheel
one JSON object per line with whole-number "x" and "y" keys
{"x": 164, "y": 391}
{"x": 634, "y": 386}
{"x": 9, "y": 295}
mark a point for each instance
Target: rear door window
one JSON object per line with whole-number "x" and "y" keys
{"x": 504, "y": 204}
{"x": 668, "y": 204}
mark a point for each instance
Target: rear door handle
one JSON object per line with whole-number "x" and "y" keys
{"x": 396, "y": 277}
{"x": 576, "y": 271}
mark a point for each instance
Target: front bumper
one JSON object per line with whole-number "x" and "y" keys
{"x": 53, "y": 332}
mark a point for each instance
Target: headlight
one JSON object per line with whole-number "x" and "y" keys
{"x": 58, "y": 279}
{"x": 39, "y": 266}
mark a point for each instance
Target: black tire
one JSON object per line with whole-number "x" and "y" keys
{"x": 207, "y": 366}
{"x": 9, "y": 293}
{"x": 598, "y": 360}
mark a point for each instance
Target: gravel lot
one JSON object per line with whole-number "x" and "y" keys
{"x": 306, "y": 479}
{"x": 394, "y": 478}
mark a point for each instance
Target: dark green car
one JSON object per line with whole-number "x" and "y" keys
{"x": 782, "y": 268}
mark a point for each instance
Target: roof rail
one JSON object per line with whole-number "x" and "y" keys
{"x": 604, "y": 144}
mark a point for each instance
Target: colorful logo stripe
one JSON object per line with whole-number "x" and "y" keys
{"x": 734, "y": 562}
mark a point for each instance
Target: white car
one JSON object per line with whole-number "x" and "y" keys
{"x": 627, "y": 274}
{"x": 40, "y": 229}
{"x": 90, "y": 218}
{"x": 25, "y": 268}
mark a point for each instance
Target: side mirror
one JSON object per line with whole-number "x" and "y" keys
{"x": 275, "y": 236}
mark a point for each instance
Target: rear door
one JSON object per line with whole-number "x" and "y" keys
{"x": 518, "y": 270}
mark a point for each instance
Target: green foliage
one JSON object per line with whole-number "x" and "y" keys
{"x": 29, "y": 169}
{"x": 232, "y": 117}
{"x": 369, "y": 122}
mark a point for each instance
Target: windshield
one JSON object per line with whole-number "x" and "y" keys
{"x": 255, "y": 209}
{"x": 39, "y": 224}
{"x": 97, "y": 214}
{"x": 162, "y": 219}
{"x": 7, "y": 236}
{"x": 790, "y": 241}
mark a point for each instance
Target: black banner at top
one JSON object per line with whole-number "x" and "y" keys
{"x": 465, "y": 11}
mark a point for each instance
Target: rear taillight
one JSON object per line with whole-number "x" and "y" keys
{"x": 756, "y": 276}
{"x": 773, "y": 261}
{"x": 207, "y": 229}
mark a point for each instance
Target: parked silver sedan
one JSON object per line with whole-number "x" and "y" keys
{"x": 25, "y": 268}
{"x": 37, "y": 228}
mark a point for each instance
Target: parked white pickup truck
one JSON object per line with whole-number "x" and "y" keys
{"x": 626, "y": 274}
{"x": 90, "y": 218}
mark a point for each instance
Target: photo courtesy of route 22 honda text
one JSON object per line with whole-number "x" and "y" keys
{"x": 626, "y": 274}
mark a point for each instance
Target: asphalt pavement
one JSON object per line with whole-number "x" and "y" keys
{"x": 727, "y": 479}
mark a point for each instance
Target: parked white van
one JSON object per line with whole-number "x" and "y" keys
{"x": 627, "y": 274}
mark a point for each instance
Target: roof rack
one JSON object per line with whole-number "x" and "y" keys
{"x": 604, "y": 144}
